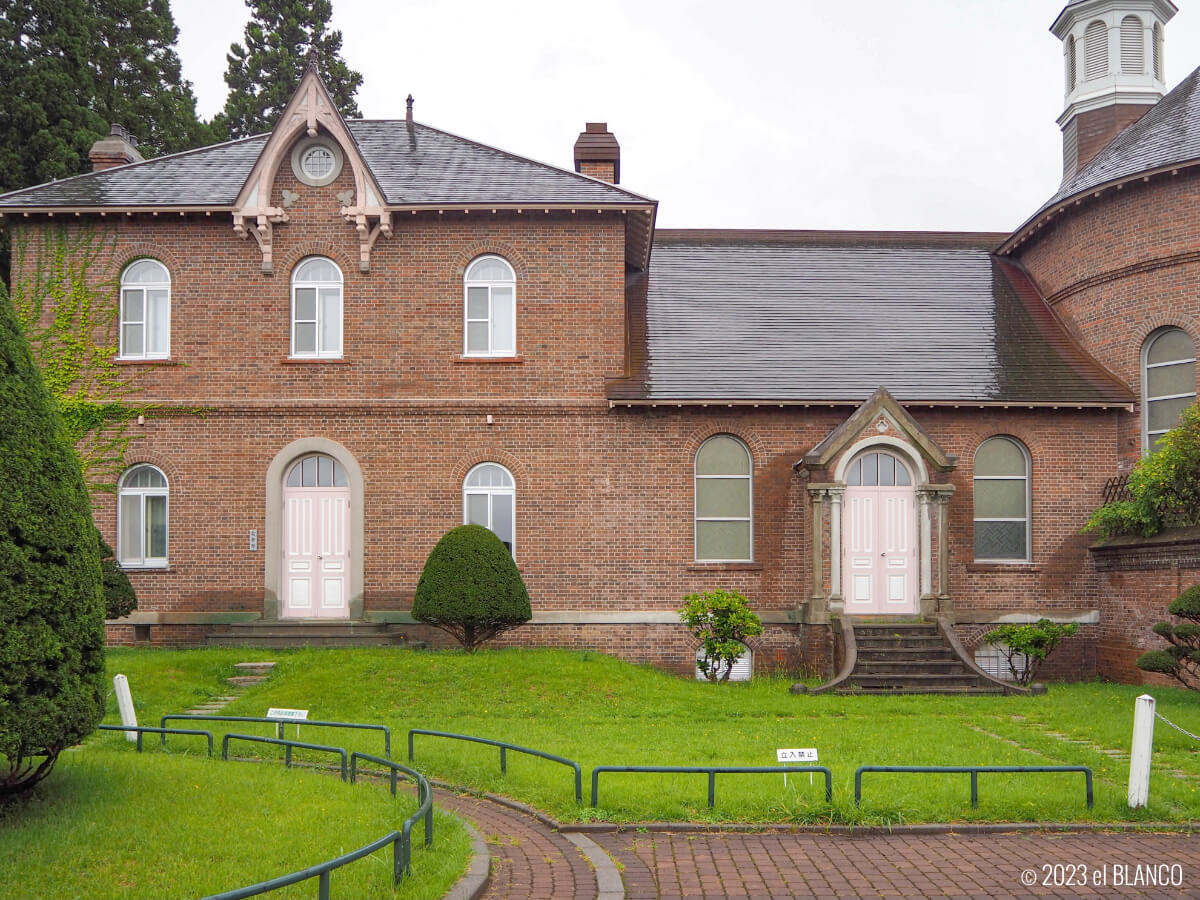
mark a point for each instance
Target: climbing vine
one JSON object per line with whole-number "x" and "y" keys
{"x": 64, "y": 290}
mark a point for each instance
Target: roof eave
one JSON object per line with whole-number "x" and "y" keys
{"x": 1126, "y": 405}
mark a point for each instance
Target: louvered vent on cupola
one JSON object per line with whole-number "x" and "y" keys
{"x": 1071, "y": 74}
{"x": 1133, "y": 46}
{"x": 1158, "y": 51}
{"x": 1095, "y": 51}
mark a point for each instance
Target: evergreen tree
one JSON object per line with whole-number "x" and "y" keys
{"x": 263, "y": 74}
{"x": 138, "y": 77}
{"x": 51, "y": 607}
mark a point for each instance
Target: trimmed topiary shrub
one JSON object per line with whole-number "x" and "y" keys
{"x": 51, "y": 607}
{"x": 119, "y": 597}
{"x": 471, "y": 588}
{"x": 1026, "y": 647}
{"x": 721, "y": 621}
{"x": 1182, "y": 659}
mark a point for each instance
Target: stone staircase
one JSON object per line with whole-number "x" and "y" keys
{"x": 910, "y": 658}
{"x": 310, "y": 633}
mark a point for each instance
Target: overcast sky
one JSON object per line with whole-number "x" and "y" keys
{"x": 927, "y": 115}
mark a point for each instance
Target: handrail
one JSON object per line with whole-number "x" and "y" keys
{"x": 146, "y": 729}
{"x": 387, "y": 732}
{"x": 288, "y": 745}
{"x": 974, "y": 771}
{"x": 712, "y": 772}
{"x": 504, "y": 746}
{"x": 424, "y": 803}
{"x": 320, "y": 871}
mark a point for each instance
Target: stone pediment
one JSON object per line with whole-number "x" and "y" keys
{"x": 881, "y": 415}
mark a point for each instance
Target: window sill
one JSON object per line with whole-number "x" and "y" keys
{"x": 167, "y": 568}
{"x": 314, "y": 360}
{"x": 724, "y": 567}
{"x": 142, "y": 361}
{"x": 1022, "y": 566}
{"x": 495, "y": 360}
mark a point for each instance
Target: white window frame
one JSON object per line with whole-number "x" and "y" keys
{"x": 1146, "y": 367}
{"x": 491, "y": 492}
{"x": 318, "y": 322}
{"x": 143, "y": 287}
{"x": 697, "y": 518}
{"x": 1027, "y": 478}
{"x": 468, "y": 283}
{"x": 140, "y": 560}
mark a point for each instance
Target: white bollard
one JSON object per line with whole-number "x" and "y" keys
{"x": 1141, "y": 751}
{"x": 125, "y": 705}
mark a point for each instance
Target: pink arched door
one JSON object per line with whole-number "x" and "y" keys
{"x": 316, "y": 541}
{"x": 880, "y": 560}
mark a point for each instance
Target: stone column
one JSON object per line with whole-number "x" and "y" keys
{"x": 818, "y": 495}
{"x": 926, "y": 545}
{"x": 836, "y": 604}
{"x": 945, "y": 606}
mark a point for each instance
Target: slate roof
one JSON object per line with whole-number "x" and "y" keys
{"x": 829, "y": 318}
{"x": 426, "y": 167}
{"x": 1168, "y": 134}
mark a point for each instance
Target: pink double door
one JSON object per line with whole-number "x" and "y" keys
{"x": 316, "y": 552}
{"x": 879, "y": 570}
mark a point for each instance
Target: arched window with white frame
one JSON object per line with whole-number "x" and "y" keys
{"x": 1002, "y": 501}
{"x": 317, "y": 309}
{"x": 724, "y": 529}
{"x": 490, "y": 500}
{"x": 142, "y": 526}
{"x": 490, "y": 308}
{"x": 145, "y": 331}
{"x": 1168, "y": 382}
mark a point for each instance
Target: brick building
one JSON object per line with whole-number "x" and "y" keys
{"x": 356, "y": 335}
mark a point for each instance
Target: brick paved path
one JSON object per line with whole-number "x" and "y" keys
{"x": 977, "y": 866}
{"x": 529, "y": 861}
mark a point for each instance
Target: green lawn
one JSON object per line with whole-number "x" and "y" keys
{"x": 599, "y": 711}
{"x": 111, "y": 823}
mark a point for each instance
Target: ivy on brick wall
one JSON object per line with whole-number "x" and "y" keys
{"x": 1164, "y": 487}
{"x": 64, "y": 291}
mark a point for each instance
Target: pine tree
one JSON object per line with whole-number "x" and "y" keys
{"x": 138, "y": 77}
{"x": 263, "y": 74}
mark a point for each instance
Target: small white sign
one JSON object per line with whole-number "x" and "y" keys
{"x": 289, "y": 714}
{"x": 807, "y": 755}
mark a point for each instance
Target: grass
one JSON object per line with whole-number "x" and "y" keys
{"x": 600, "y": 711}
{"x": 111, "y": 823}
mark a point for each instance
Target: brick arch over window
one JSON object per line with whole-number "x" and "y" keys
{"x": 1138, "y": 333}
{"x": 1030, "y": 438}
{"x": 758, "y": 450}
{"x": 174, "y": 474}
{"x": 495, "y": 455}
{"x": 273, "y": 544}
{"x": 131, "y": 253}
{"x": 297, "y": 254}
{"x": 510, "y": 254}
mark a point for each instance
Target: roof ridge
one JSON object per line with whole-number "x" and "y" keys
{"x": 975, "y": 239}
{"x": 132, "y": 165}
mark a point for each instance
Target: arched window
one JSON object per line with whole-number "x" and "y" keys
{"x": 723, "y": 501}
{"x": 878, "y": 470}
{"x": 142, "y": 518}
{"x": 1158, "y": 51}
{"x": 1168, "y": 382}
{"x": 317, "y": 309}
{"x": 145, "y": 311}
{"x": 1070, "y": 54}
{"x": 1002, "y": 501}
{"x": 1133, "y": 46}
{"x": 490, "y": 308}
{"x": 490, "y": 500}
{"x": 1095, "y": 51}
{"x": 317, "y": 470}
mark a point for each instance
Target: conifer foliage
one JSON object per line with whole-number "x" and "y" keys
{"x": 264, "y": 71}
{"x": 51, "y": 607}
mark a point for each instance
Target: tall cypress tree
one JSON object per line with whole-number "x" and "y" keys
{"x": 263, "y": 74}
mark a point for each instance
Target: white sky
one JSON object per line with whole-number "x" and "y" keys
{"x": 927, "y": 115}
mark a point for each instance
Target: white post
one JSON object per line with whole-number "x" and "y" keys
{"x": 1141, "y": 751}
{"x": 125, "y": 705}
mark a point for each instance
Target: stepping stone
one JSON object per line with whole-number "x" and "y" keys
{"x": 254, "y": 668}
{"x": 246, "y": 680}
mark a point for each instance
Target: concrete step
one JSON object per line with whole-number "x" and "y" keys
{"x": 906, "y": 667}
{"x": 906, "y": 654}
{"x": 245, "y": 681}
{"x": 989, "y": 690}
{"x": 919, "y": 642}
{"x": 912, "y": 681}
{"x": 254, "y": 668}
{"x": 276, "y": 640}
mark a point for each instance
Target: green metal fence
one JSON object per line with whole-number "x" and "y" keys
{"x": 288, "y": 747}
{"x": 504, "y": 748}
{"x": 147, "y": 729}
{"x": 279, "y": 723}
{"x": 974, "y": 772}
{"x": 712, "y": 772}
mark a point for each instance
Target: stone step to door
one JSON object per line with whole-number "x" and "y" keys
{"x": 254, "y": 668}
{"x": 933, "y": 682}
{"x": 989, "y": 690}
{"x": 919, "y": 667}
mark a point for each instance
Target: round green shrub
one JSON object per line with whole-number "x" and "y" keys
{"x": 51, "y": 607}
{"x": 1187, "y": 604}
{"x": 119, "y": 597}
{"x": 1158, "y": 661}
{"x": 471, "y": 588}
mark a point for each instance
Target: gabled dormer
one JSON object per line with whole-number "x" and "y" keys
{"x": 312, "y": 138}
{"x": 1114, "y": 68}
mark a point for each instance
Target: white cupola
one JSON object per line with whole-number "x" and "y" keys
{"x": 1113, "y": 60}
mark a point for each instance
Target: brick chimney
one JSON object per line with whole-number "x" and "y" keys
{"x": 598, "y": 154}
{"x": 118, "y": 149}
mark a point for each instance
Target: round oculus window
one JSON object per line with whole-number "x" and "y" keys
{"x": 317, "y": 162}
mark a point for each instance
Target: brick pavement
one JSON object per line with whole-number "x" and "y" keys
{"x": 778, "y": 865}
